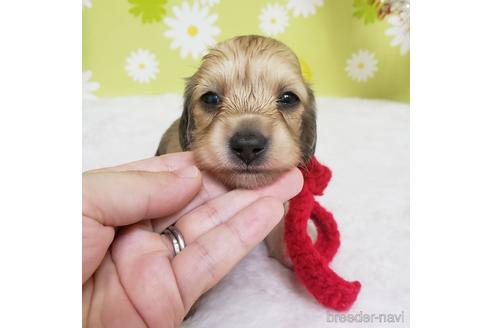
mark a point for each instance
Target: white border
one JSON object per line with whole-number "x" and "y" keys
{"x": 451, "y": 164}
{"x": 40, "y": 143}
{"x": 40, "y": 172}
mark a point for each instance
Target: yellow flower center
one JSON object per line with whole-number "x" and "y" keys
{"x": 360, "y": 65}
{"x": 192, "y": 30}
{"x": 141, "y": 65}
{"x": 273, "y": 20}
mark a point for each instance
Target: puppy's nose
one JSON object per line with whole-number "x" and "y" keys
{"x": 248, "y": 145}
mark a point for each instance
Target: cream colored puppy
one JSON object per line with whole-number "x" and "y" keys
{"x": 248, "y": 116}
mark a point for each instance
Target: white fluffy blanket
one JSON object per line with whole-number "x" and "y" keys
{"x": 366, "y": 144}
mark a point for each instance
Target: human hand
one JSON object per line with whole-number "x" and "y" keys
{"x": 130, "y": 278}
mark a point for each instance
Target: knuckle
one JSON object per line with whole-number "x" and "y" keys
{"x": 206, "y": 258}
{"x": 236, "y": 233}
{"x": 206, "y": 214}
{"x": 210, "y": 213}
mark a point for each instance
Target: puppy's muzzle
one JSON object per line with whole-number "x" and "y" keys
{"x": 248, "y": 145}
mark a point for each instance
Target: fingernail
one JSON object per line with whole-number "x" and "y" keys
{"x": 187, "y": 172}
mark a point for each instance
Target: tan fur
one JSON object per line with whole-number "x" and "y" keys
{"x": 249, "y": 73}
{"x": 170, "y": 140}
{"x": 275, "y": 242}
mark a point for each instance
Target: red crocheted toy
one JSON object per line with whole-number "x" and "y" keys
{"x": 311, "y": 261}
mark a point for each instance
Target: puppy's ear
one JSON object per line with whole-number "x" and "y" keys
{"x": 186, "y": 122}
{"x": 308, "y": 128}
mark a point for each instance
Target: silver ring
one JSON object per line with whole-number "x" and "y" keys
{"x": 176, "y": 239}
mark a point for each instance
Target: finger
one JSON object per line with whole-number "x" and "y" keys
{"x": 96, "y": 239}
{"x": 209, "y": 215}
{"x": 220, "y": 209}
{"x": 122, "y": 198}
{"x": 168, "y": 162}
{"x": 210, "y": 189}
{"x": 146, "y": 274}
{"x": 203, "y": 263}
{"x": 284, "y": 189}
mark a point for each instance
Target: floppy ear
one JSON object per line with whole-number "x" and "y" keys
{"x": 186, "y": 123}
{"x": 308, "y": 128}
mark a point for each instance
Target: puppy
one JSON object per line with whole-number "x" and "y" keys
{"x": 249, "y": 116}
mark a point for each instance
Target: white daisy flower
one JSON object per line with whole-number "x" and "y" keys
{"x": 361, "y": 66}
{"x": 142, "y": 66}
{"x": 304, "y": 7}
{"x": 88, "y": 87}
{"x": 209, "y": 3}
{"x": 192, "y": 29}
{"x": 86, "y": 4}
{"x": 400, "y": 31}
{"x": 274, "y": 18}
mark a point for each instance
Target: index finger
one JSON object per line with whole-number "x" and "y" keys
{"x": 286, "y": 187}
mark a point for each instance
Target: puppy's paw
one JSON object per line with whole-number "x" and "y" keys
{"x": 279, "y": 253}
{"x": 193, "y": 309}
{"x": 276, "y": 246}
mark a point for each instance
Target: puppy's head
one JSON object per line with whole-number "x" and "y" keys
{"x": 248, "y": 114}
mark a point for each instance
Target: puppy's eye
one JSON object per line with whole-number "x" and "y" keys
{"x": 288, "y": 99}
{"x": 210, "y": 98}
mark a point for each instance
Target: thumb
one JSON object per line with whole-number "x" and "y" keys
{"x": 122, "y": 198}
{"x": 112, "y": 199}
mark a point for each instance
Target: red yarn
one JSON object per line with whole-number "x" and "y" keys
{"x": 311, "y": 261}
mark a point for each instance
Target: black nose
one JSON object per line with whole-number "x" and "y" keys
{"x": 248, "y": 145}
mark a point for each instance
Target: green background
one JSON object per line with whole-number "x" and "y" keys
{"x": 324, "y": 41}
